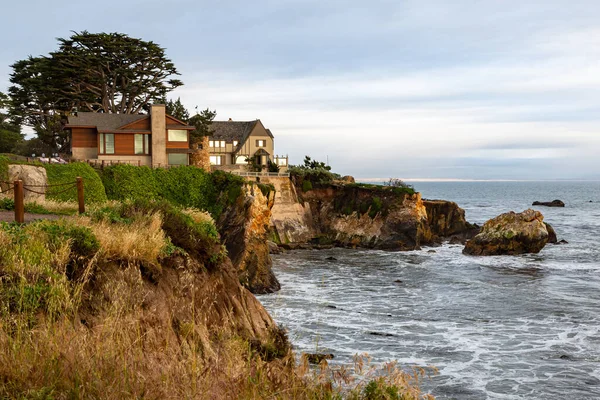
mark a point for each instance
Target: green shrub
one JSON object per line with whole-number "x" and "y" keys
{"x": 66, "y": 173}
{"x": 306, "y": 186}
{"x": 185, "y": 186}
{"x": 83, "y": 242}
{"x": 376, "y": 207}
{"x": 7, "y": 204}
{"x": 4, "y": 168}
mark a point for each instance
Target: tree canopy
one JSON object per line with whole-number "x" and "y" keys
{"x": 98, "y": 72}
{"x": 10, "y": 132}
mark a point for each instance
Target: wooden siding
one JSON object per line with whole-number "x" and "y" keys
{"x": 139, "y": 124}
{"x": 84, "y": 137}
{"x": 177, "y": 145}
{"x": 124, "y": 144}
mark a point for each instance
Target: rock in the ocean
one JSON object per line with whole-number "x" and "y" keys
{"x": 510, "y": 233}
{"x": 553, "y": 203}
{"x": 551, "y": 234}
{"x": 316, "y": 358}
{"x": 273, "y": 248}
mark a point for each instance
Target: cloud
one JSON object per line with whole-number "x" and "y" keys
{"x": 412, "y": 88}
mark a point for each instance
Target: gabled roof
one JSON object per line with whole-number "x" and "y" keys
{"x": 261, "y": 152}
{"x": 235, "y": 130}
{"x": 103, "y": 121}
{"x": 232, "y": 130}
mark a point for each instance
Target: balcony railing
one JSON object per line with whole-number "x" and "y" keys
{"x": 259, "y": 174}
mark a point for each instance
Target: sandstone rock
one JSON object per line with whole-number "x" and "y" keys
{"x": 317, "y": 358}
{"x": 510, "y": 233}
{"x": 551, "y": 234}
{"x": 273, "y": 248}
{"x": 348, "y": 179}
{"x": 31, "y": 176}
{"x": 447, "y": 220}
{"x": 244, "y": 230}
{"x": 553, "y": 203}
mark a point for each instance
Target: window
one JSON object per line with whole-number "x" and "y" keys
{"x": 241, "y": 160}
{"x": 141, "y": 144}
{"x": 282, "y": 161}
{"x": 177, "y": 135}
{"x": 216, "y": 143}
{"x": 106, "y": 142}
{"x": 261, "y": 143}
{"x": 216, "y": 160}
{"x": 235, "y": 143}
{"x": 178, "y": 159}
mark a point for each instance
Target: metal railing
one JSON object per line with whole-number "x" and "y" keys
{"x": 254, "y": 174}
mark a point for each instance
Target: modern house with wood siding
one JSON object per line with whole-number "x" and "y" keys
{"x": 155, "y": 139}
{"x": 235, "y": 144}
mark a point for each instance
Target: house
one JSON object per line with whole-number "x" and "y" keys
{"x": 233, "y": 145}
{"x": 155, "y": 139}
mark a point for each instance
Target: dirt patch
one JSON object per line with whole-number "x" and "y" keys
{"x": 9, "y": 216}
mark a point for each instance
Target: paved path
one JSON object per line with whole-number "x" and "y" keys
{"x": 9, "y": 216}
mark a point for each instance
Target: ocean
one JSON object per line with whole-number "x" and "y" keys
{"x": 502, "y": 327}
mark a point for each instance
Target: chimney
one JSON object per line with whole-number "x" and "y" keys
{"x": 158, "y": 126}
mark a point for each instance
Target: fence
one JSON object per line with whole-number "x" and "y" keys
{"x": 19, "y": 189}
{"x": 259, "y": 174}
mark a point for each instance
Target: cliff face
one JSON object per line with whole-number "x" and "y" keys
{"x": 244, "y": 230}
{"x": 291, "y": 221}
{"x": 351, "y": 215}
{"x": 355, "y": 216}
{"x": 447, "y": 220}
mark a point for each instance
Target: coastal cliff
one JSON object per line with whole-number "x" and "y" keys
{"x": 447, "y": 221}
{"x": 358, "y": 215}
{"x": 137, "y": 299}
{"x": 244, "y": 229}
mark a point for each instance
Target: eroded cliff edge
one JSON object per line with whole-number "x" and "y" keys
{"x": 244, "y": 229}
{"x": 355, "y": 215}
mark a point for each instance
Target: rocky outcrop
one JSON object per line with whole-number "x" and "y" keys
{"x": 244, "y": 229}
{"x": 447, "y": 221}
{"x": 370, "y": 217}
{"x": 552, "y": 238}
{"x": 291, "y": 221}
{"x": 553, "y": 203}
{"x": 32, "y": 176}
{"x": 510, "y": 233}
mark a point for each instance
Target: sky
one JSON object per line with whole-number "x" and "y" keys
{"x": 430, "y": 89}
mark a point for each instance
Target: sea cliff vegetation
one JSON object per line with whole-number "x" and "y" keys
{"x": 138, "y": 298}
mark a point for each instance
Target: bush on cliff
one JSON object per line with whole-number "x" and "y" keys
{"x": 185, "y": 186}
{"x": 67, "y": 173}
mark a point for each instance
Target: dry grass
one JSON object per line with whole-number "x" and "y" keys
{"x": 140, "y": 241}
{"x": 199, "y": 216}
{"x": 82, "y": 321}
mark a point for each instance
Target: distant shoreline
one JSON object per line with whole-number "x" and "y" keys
{"x": 382, "y": 180}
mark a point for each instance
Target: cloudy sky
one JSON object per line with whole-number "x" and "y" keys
{"x": 412, "y": 89}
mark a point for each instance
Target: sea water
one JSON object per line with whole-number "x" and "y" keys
{"x": 502, "y": 327}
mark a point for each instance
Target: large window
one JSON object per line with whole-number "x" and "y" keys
{"x": 216, "y": 143}
{"x": 178, "y": 159}
{"x": 261, "y": 143}
{"x": 177, "y": 135}
{"x": 217, "y": 160}
{"x": 141, "y": 144}
{"x": 106, "y": 143}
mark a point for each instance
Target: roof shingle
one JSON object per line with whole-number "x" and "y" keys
{"x": 103, "y": 122}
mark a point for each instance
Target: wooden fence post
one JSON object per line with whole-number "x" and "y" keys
{"x": 19, "y": 206}
{"x": 80, "y": 197}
